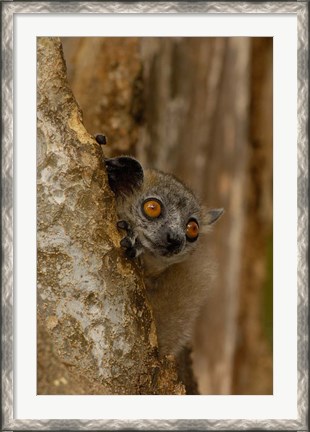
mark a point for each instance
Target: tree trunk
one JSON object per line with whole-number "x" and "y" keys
{"x": 95, "y": 329}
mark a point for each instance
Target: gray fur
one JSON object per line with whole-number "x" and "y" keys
{"x": 176, "y": 280}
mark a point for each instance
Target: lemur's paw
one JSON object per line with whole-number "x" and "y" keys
{"x": 129, "y": 243}
{"x": 126, "y": 243}
{"x": 131, "y": 252}
{"x": 124, "y": 225}
{"x": 130, "y": 247}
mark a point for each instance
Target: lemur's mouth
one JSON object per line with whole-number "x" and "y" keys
{"x": 166, "y": 249}
{"x": 170, "y": 250}
{"x": 174, "y": 249}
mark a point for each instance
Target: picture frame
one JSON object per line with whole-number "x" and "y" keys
{"x": 10, "y": 10}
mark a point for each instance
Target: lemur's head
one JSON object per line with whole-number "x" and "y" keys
{"x": 165, "y": 214}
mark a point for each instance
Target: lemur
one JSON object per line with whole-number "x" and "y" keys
{"x": 165, "y": 227}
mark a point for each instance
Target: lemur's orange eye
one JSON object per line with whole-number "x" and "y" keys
{"x": 192, "y": 230}
{"x": 152, "y": 208}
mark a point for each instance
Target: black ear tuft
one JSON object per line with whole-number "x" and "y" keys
{"x": 124, "y": 173}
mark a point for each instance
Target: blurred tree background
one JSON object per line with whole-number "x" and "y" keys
{"x": 200, "y": 108}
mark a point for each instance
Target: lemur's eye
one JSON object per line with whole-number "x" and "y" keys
{"x": 152, "y": 208}
{"x": 192, "y": 230}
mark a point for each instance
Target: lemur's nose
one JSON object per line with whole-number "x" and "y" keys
{"x": 174, "y": 240}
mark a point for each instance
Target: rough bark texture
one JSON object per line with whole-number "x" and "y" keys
{"x": 108, "y": 84}
{"x": 95, "y": 328}
{"x": 201, "y": 108}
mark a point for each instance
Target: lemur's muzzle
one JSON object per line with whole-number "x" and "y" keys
{"x": 174, "y": 241}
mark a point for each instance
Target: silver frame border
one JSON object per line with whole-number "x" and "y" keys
{"x": 8, "y": 10}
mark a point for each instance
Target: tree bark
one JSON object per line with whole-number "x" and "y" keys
{"x": 112, "y": 75}
{"x": 95, "y": 329}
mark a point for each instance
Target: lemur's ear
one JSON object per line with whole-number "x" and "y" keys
{"x": 213, "y": 215}
{"x": 209, "y": 218}
{"x": 124, "y": 174}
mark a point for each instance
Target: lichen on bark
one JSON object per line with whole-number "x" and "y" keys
{"x": 91, "y": 300}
